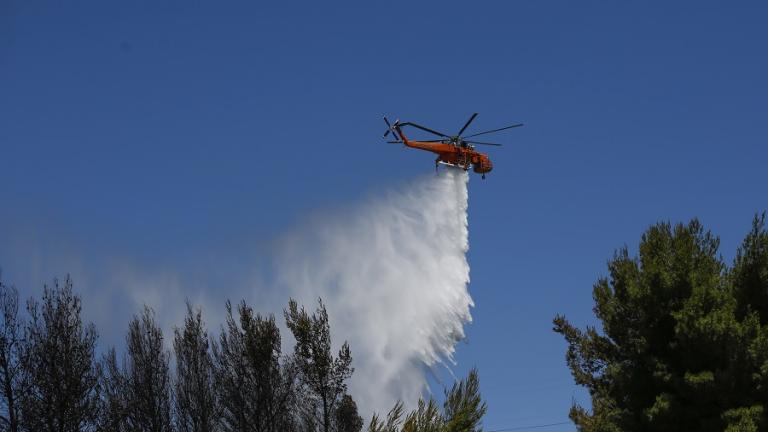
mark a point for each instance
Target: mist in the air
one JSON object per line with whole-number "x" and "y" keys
{"x": 393, "y": 274}
{"x": 391, "y": 270}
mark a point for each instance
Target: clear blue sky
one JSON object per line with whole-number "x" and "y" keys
{"x": 169, "y": 134}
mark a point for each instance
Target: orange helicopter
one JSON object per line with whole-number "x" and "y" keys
{"x": 454, "y": 151}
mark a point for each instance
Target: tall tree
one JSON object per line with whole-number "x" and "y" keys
{"x": 195, "y": 401}
{"x": 147, "y": 382}
{"x": 322, "y": 376}
{"x": 11, "y": 342}
{"x": 59, "y": 363}
{"x": 678, "y": 350}
{"x": 255, "y": 389}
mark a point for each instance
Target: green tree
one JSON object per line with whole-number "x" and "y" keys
{"x": 322, "y": 376}
{"x": 681, "y": 346}
{"x": 426, "y": 418}
{"x": 749, "y": 283}
{"x": 463, "y": 411}
{"x": 464, "y": 408}
{"x": 749, "y": 277}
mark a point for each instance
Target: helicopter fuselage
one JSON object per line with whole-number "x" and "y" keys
{"x": 455, "y": 155}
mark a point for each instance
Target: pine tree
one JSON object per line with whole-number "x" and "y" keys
{"x": 195, "y": 402}
{"x": 425, "y": 418}
{"x": 463, "y": 411}
{"x": 749, "y": 284}
{"x": 58, "y": 361}
{"x": 750, "y": 273}
{"x": 147, "y": 381}
{"x": 255, "y": 389}
{"x": 682, "y": 346}
{"x": 322, "y": 376}
{"x": 464, "y": 408}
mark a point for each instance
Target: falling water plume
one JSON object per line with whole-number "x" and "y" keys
{"x": 394, "y": 274}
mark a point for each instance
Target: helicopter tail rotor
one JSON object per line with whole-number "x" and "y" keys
{"x": 391, "y": 129}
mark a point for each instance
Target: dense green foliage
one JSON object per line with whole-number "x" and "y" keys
{"x": 684, "y": 337}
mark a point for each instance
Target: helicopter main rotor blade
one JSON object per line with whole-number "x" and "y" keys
{"x": 467, "y": 124}
{"x": 426, "y": 129}
{"x": 494, "y": 130}
{"x": 483, "y": 143}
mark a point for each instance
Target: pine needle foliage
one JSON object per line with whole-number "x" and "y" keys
{"x": 463, "y": 411}
{"x": 683, "y": 337}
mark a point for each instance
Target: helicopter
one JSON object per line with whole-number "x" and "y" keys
{"x": 452, "y": 150}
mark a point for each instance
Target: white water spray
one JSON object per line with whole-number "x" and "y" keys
{"x": 393, "y": 273}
